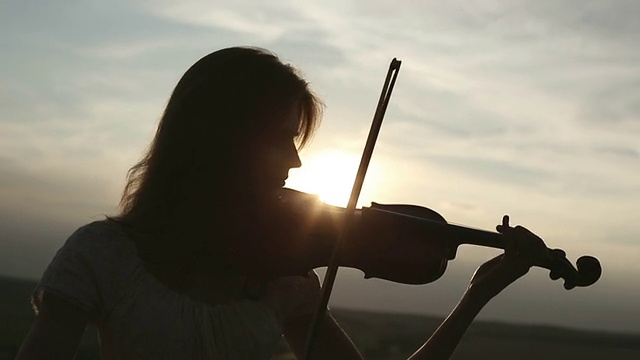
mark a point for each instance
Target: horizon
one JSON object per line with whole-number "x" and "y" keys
{"x": 396, "y": 312}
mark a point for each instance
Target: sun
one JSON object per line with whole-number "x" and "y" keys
{"x": 329, "y": 174}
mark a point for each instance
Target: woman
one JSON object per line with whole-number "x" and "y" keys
{"x": 161, "y": 279}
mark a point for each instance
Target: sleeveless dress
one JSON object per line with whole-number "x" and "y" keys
{"x": 98, "y": 269}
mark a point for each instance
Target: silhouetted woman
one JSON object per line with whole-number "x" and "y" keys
{"x": 158, "y": 280}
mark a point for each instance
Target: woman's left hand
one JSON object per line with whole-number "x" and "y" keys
{"x": 523, "y": 249}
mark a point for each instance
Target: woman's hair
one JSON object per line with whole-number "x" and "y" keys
{"x": 218, "y": 107}
{"x": 176, "y": 196}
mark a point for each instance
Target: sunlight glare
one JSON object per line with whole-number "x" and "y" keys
{"x": 329, "y": 175}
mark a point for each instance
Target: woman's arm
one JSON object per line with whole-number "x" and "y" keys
{"x": 445, "y": 339}
{"x": 56, "y": 331}
{"x": 481, "y": 290}
{"x": 523, "y": 250}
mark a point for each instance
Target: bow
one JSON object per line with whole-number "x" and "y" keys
{"x": 332, "y": 270}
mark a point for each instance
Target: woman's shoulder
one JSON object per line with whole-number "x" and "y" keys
{"x": 100, "y": 237}
{"x": 103, "y": 229}
{"x": 90, "y": 267}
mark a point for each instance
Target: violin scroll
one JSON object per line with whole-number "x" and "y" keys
{"x": 587, "y": 271}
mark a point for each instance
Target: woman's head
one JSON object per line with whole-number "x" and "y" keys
{"x": 210, "y": 145}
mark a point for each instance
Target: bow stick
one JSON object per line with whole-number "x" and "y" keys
{"x": 332, "y": 270}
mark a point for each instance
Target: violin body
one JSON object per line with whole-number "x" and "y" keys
{"x": 406, "y": 244}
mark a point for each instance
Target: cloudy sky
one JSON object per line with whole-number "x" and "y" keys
{"x": 521, "y": 107}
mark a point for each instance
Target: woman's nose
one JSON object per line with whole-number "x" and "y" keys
{"x": 295, "y": 159}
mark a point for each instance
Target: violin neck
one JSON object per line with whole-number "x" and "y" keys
{"x": 428, "y": 223}
{"x": 467, "y": 235}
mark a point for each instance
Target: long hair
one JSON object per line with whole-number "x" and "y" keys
{"x": 219, "y": 105}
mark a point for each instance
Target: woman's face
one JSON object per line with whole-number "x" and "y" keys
{"x": 274, "y": 152}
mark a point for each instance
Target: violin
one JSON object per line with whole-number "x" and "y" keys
{"x": 406, "y": 244}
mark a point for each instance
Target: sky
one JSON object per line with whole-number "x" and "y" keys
{"x": 525, "y": 108}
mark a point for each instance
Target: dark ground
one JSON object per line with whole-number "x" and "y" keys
{"x": 379, "y": 335}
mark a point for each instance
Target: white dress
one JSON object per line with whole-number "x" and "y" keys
{"x": 98, "y": 269}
